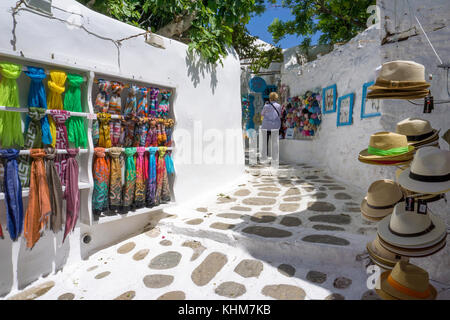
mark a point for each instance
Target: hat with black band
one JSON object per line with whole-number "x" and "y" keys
{"x": 380, "y": 200}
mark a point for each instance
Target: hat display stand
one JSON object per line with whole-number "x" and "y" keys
{"x": 402, "y": 234}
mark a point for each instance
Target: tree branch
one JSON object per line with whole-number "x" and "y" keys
{"x": 324, "y": 9}
{"x": 178, "y": 26}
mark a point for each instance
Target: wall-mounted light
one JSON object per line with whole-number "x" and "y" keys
{"x": 41, "y": 5}
{"x": 154, "y": 40}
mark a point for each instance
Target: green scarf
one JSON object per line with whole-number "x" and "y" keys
{"x": 72, "y": 102}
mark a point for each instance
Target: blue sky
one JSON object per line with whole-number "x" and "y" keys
{"x": 258, "y": 26}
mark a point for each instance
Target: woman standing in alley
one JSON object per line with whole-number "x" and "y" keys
{"x": 271, "y": 114}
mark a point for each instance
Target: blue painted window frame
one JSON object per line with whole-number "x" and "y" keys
{"x": 365, "y": 115}
{"x": 334, "y": 87}
{"x": 352, "y": 101}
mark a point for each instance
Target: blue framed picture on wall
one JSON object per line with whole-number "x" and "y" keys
{"x": 329, "y": 96}
{"x": 369, "y": 108}
{"x": 345, "y": 110}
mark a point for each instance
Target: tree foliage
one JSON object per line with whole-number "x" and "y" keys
{"x": 337, "y": 20}
{"x": 207, "y": 26}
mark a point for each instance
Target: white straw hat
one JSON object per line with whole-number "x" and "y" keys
{"x": 429, "y": 172}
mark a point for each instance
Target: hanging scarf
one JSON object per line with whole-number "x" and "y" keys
{"x": 142, "y": 105}
{"x": 59, "y": 118}
{"x": 169, "y": 123}
{"x": 159, "y": 134}
{"x": 55, "y": 189}
{"x": 115, "y": 107}
{"x": 54, "y": 100}
{"x": 163, "y": 108}
{"x": 130, "y": 180}
{"x": 37, "y": 98}
{"x": 101, "y": 180}
{"x": 162, "y": 137}
{"x": 104, "y": 129}
{"x": 72, "y": 102}
{"x": 169, "y": 163}
{"x": 162, "y": 181}
{"x": 131, "y": 105}
{"x": 151, "y": 183}
{"x": 115, "y": 182}
{"x": 149, "y": 138}
{"x": 13, "y": 193}
{"x": 72, "y": 193}
{"x": 39, "y": 207}
{"x": 129, "y": 126}
{"x": 10, "y": 122}
{"x": 139, "y": 196}
{"x": 101, "y": 106}
{"x": 154, "y": 92}
{"x": 141, "y": 130}
{"x": 33, "y": 139}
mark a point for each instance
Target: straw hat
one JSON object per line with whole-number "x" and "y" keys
{"x": 387, "y": 146}
{"x": 416, "y": 252}
{"x": 405, "y": 282}
{"x": 417, "y": 131}
{"x": 429, "y": 172}
{"x": 401, "y": 75}
{"x": 385, "y": 163}
{"x": 380, "y": 256}
{"x": 381, "y": 198}
{"x": 406, "y": 228}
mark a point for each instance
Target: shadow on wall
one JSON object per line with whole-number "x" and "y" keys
{"x": 197, "y": 69}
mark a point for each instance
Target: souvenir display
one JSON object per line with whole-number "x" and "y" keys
{"x": 303, "y": 114}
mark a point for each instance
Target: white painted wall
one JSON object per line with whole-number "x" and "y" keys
{"x": 210, "y": 96}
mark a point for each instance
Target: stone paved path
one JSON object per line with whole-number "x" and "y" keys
{"x": 291, "y": 233}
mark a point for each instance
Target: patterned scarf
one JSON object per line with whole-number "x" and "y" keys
{"x": 129, "y": 127}
{"x": 72, "y": 193}
{"x": 149, "y": 138}
{"x": 169, "y": 123}
{"x": 37, "y": 98}
{"x": 101, "y": 180}
{"x": 139, "y": 196}
{"x": 142, "y": 106}
{"x": 101, "y": 106}
{"x": 130, "y": 180}
{"x": 154, "y": 92}
{"x": 131, "y": 106}
{"x": 104, "y": 130}
{"x": 163, "y": 108}
{"x": 13, "y": 193}
{"x": 33, "y": 137}
{"x": 151, "y": 183}
{"x": 115, "y": 107}
{"x": 115, "y": 182}
{"x": 141, "y": 130}
{"x": 169, "y": 163}
{"x": 59, "y": 118}
{"x": 39, "y": 207}
{"x": 10, "y": 122}
{"x": 55, "y": 189}
{"x": 56, "y": 87}
{"x": 162, "y": 181}
{"x": 72, "y": 102}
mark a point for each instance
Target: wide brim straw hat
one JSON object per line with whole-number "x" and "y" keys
{"x": 387, "y": 146}
{"x": 380, "y": 199}
{"x": 418, "y": 131}
{"x": 401, "y": 75}
{"x": 385, "y": 257}
{"x": 407, "y": 229}
{"x": 405, "y": 282}
{"x": 429, "y": 172}
{"x": 416, "y": 252}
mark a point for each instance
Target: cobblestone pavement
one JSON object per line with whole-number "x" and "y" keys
{"x": 291, "y": 233}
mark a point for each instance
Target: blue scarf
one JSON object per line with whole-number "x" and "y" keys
{"x": 13, "y": 193}
{"x": 151, "y": 187}
{"x": 37, "y": 98}
{"x": 169, "y": 163}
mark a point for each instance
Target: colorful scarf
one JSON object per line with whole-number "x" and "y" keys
{"x": 59, "y": 118}
{"x": 149, "y": 138}
{"x": 163, "y": 108}
{"x": 115, "y": 182}
{"x": 169, "y": 163}
{"x": 169, "y": 123}
{"x": 142, "y": 106}
{"x": 37, "y": 99}
{"x": 162, "y": 137}
{"x": 131, "y": 104}
{"x": 151, "y": 183}
{"x": 129, "y": 127}
{"x": 33, "y": 139}
{"x": 72, "y": 102}
{"x": 13, "y": 193}
{"x": 115, "y": 107}
{"x": 55, "y": 189}
{"x": 72, "y": 193}
{"x": 130, "y": 180}
{"x": 10, "y": 122}
{"x": 154, "y": 92}
{"x": 104, "y": 130}
{"x": 162, "y": 181}
{"x": 101, "y": 180}
{"x": 139, "y": 196}
{"x": 56, "y": 87}
{"x": 141, "y": 130}
{"x": 39, "y": 207}
{"x": 101, "y": 106}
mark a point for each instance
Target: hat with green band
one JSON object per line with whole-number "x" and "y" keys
{"x": 387, "y": 146}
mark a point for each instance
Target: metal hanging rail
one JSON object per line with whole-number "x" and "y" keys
{"x": 48, "y": 111}
{"x": 58, "y": 151}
